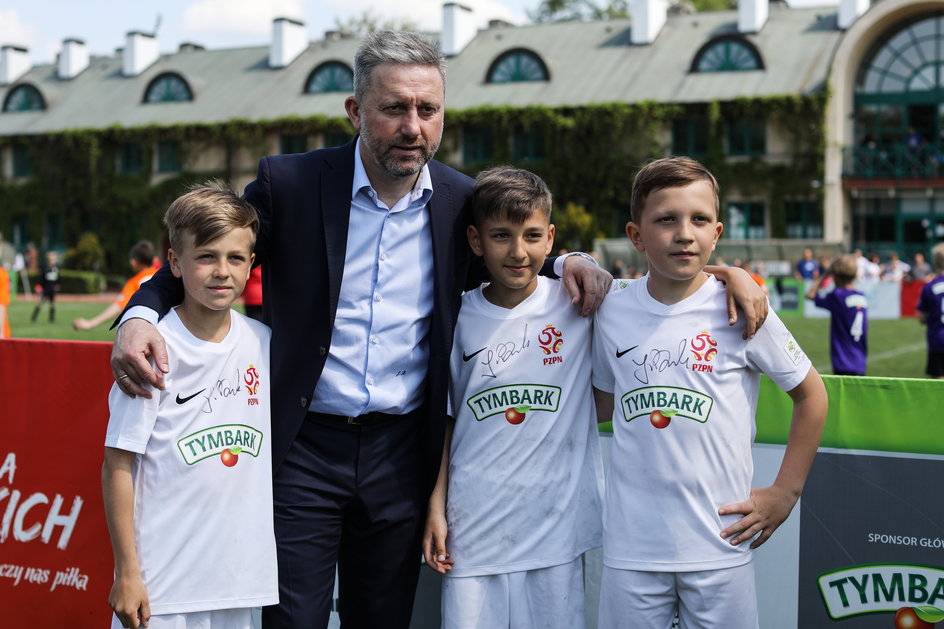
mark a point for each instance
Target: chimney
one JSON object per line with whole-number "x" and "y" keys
{"x": 14, "y": 62}
{"x": 289, "y": 39}
{"x": 139, "y": 53}
{"x": 849, "y": 12}
{"x": 648, "y": 19}
{"x": 752, "y": 15}
{"x": 73, "y": 58}
{"x": 458, "y": 28}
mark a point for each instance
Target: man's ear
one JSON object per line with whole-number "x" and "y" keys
{"x": 474, "y": 241}
{"x": 353, "y": 110}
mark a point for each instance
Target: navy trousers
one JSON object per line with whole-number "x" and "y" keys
{"x": 352, "y": 496}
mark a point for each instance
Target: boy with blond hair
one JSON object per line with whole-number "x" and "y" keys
{"x": 849, "y": 320}
{"x": 680, "y": 386}
{"x": 187, "y": 478}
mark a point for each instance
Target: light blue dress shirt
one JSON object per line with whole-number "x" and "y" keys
{"x": 379, "y": 353}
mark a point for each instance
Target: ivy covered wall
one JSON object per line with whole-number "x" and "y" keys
{"x": 590, "y": 157}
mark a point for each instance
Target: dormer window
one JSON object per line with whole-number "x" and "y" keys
{"x": 168, "y": 88}
{"x": 24, "y": 98}
{"x": 516, "y": 66}
{"x": 728, "y": 54}
{"x": 332, "y": 76}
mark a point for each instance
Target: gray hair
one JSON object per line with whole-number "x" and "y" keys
{"x": 399, "y": 47}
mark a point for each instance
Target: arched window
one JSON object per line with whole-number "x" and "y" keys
{"x": 517, "y": 65}
{"x": 24, "y": 98}
{"x": 908, "y": 59}
{"x": 727, "y": 54}
{"x": 331, "y": 76}
{"x": 168, "y": 88}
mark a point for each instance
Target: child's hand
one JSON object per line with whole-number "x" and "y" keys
{"x": 763, "y": 512}
{"x": 434, "y": 543}
{"x": 129, "y": 599}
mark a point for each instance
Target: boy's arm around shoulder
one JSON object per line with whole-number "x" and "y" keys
{"x": 128, "y": 596}
{"x": 767, "y": 508}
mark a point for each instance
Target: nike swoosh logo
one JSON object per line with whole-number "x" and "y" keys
{"x": 619, "y": 354}
{"x": 184, "y": 400}
{"x": 468, "y": 357}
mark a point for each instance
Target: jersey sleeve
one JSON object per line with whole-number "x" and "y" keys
{"x": 602, "y": 373}
{"x": 824, "y": 299}
{"x": 774, "y": 352}
{"x": 130, "y": 420}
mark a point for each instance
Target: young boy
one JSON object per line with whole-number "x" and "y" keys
{"x": 141, "y": 260}
{"x": 48, "y": 286}
{"x": 519, "y": 493}
{"x": 849, "y": 324}
{"x": 686, "y": 385}
{"x": 187, "y": 473}
{"x": 931, "y": 314}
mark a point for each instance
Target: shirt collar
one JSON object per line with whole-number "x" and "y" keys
{"x": 424, "y": 184}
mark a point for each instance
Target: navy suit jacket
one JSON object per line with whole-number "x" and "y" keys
{"x": 304, "y": 203}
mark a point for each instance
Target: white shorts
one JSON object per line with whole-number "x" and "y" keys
{"x": 709, "y": 599}
{"x": 241, "y": 618}
{"x": 546, "y": 597}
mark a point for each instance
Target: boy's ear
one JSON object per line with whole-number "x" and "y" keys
{"x": 174, "y": 262}
{"x": 719, "y": 228}
{"x": 551, "y": 230}
{"x": 474, "y": 241}
{"x": 635, "y": 236}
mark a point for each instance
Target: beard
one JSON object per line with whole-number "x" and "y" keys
{"x": 382, "y": 153}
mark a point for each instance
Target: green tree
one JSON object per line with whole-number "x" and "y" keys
{"x": 368, "y": 22}
{"x": 564, "y": 10}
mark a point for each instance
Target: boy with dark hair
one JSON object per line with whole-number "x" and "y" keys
{"x": 141, "y": 260}
{"x": 679, "y": 503}
{"x": 931, "y": 314}
{"x": 519, "y": 493}
{"x": 187, "y": 478}
{"x": 48, "y": 286}
{"x": 849, "y": 322}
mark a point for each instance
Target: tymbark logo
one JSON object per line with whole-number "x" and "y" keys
{"x": 212, "y": 441}
{"x": 678, "y": 401}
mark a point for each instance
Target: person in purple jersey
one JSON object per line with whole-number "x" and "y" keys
{"x": 931, "y": 314}
{"x": 849, "y": 326}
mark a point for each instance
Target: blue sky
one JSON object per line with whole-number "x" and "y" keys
{"x": 41, "y": 25}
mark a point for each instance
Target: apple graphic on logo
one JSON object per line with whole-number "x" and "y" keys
{"x": 907, "y": 618}
{"x": 230, "y": 456}
{"x": 661, "y": 418}
{"x": 515, "y": 415}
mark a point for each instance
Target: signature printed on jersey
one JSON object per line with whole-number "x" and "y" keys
{"x": 658, "y": 360}
{"x": 502, "y": 352}
{"x": 223, "y": 388}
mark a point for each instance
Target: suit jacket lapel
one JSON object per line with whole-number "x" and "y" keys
{"x": 337, "y": 178}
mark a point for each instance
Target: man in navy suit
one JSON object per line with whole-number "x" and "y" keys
{"x": 365, "y": 257}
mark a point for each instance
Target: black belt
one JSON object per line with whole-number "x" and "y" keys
{"x": 368, "y": 419}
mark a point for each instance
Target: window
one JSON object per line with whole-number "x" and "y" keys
{"x": 168, "y": 88}
{"x": 129, "y": 158}
{"x": 517, "y": 65}
{"x": 690, "y": 137}
{"x": 293, "y": 143}
{"x": 804, "y": 219}
{"x": 336, "y": 138}
{"x": 477, "y": 145}
{"x": 728, "y": 54}
{"x": 745, "y": 221}
{"x": 747, "y": 137}
{"x": 528, "y": 144}
{"x": 909, "y": 59}
{"x": 168, "y": 156}
{"x": 332, "y": 76}
{"x": 24, "y": 98}
{"x": 22, "y": 167}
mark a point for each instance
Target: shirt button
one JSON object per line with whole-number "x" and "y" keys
{"x": 370, "y": 380}
{"x": 374, "y": 340}
{"x": 378, "y": 298}
{"x": 383, "y": 256}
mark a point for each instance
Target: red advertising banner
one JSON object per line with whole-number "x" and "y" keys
{"x": 55, "y": 558}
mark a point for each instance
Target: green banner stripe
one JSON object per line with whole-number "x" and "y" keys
{"x": 881, "y": 414}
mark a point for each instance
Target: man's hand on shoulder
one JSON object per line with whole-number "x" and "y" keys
{"x": 135, "y": 343}
{"x": 586, "y": 282}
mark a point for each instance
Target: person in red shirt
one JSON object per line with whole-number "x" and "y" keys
{"x": 142, "y": 264}
{"x": 252, "y": 294}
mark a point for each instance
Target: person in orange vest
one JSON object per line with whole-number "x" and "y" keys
{"x": 141, "y": 259}
{"x": 4, "y": 304}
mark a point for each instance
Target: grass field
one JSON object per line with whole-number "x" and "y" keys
{"x": 896, "y": 347}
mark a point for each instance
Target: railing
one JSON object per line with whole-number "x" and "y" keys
{"x": 893, "y": 162}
